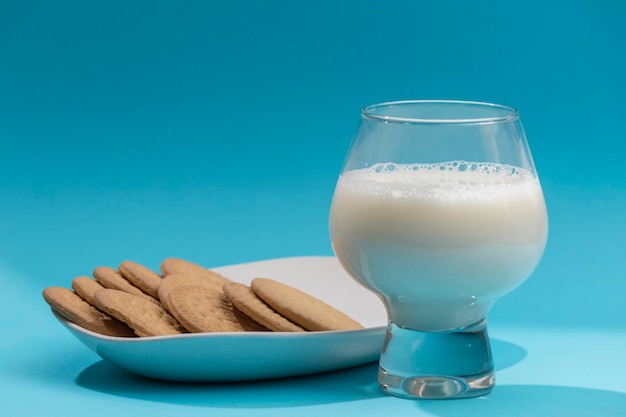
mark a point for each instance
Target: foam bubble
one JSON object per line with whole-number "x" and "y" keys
{"x": 454, "y": 180}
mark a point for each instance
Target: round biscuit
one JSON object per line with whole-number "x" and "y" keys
{"x": 248, "y": 323}
{"x": 112, "y": 279}
{"x": 246, "y": 301}
{"x": 301, "y": 308}
{"x": 146, "y": 318}
{"x": 171, "y": 266}
{"x": 174, "y": 280}
{"x": 142, "y": 277}
{"x": 200, "y": 309}
{"x": 71, "y": 306}
{"x": 86, "y": 287}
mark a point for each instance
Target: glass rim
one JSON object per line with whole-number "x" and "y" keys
{"x": 508, "y": 113}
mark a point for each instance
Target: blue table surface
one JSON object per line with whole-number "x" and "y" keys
{"x": 540, "y": 372}
{"x": 215, "y": 131}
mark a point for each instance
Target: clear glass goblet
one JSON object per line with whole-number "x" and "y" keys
{"x": 439, "y": 211}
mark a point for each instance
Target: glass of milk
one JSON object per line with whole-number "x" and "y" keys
{"x": 438, "y": 209}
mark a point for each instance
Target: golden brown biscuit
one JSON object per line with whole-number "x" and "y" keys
{"x": 247, "y": 323}
{"x": 71, "y": 306}
{"x": 300, "y": 307}
{"x": 174, "y": 280}
{"x": 246, "y": 301}
{"x": 142, "y": 277}
{"x": 86, "y": 287}
{"x": 112, "y": 279}
{"x": 200, "y": 309}
{"x": 171, "y": 266}
{"x": 145, "y": 317}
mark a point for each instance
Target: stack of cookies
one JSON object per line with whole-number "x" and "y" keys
{"x": 133, "y": 300}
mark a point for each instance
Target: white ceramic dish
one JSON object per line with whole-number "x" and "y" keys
{"x": 213, "y": 357}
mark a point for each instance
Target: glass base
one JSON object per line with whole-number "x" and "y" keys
{"x": 437, "y": 365}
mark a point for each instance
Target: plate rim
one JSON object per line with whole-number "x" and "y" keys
{"x": 210, "y": 335}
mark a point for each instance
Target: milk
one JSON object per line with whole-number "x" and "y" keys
{"x": 440, "y": 242}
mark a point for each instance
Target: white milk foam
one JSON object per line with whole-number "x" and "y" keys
{"x": 447, "y": 181}
{"x": 449, "y": 238}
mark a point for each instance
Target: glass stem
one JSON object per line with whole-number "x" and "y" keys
{"x": 454, "y": 364}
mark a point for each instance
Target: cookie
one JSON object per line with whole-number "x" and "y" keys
{"x": 112, "y": 279}
{"x": 71, "y": 306}
{"x": 145, "y": 317}
{"x": 142, "y": 277}
{"x": 200, "y": 309}
{"x": 300, "y": 307}
{"x": 245, "y": 300}
{"x": 175, "y": 280}
{"x": 246, "y": 322}
{"x": 86, "y": 287}
{"x": 171, "y": 266}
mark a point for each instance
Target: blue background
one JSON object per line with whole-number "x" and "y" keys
{"x": 215, "y": 131}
